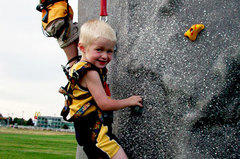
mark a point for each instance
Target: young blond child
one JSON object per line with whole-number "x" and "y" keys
{"x": 93, "y": 132}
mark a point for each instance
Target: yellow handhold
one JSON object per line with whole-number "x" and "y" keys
{"x": 193, "y": 31}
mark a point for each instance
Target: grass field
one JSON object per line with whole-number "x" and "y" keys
{"x": 36, "y": 144}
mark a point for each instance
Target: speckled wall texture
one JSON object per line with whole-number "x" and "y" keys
{"x": 190, "y": 89}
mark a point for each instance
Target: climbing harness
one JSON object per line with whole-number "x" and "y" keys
{"x": 103, "y": 11}
{"x": 67, "y": 91}
{"x": 52, "y": 10}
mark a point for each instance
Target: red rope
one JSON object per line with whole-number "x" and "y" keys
{"x": 103, "y": 11}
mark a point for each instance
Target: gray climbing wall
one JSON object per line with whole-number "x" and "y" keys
{"x": 190, "y": 89}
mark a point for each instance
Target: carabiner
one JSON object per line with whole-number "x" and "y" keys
{"x": 104, "y": 18}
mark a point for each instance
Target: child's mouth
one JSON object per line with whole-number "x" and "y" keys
{"x": 102, "y": 62}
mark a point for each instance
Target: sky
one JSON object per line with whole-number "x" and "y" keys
{"x": 30, "y": 63}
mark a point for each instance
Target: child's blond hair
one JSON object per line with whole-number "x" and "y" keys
{"x": 93, "y": 29}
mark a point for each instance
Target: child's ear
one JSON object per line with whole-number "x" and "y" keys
{"x": 81, "y": 47}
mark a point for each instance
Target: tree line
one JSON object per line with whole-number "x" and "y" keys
{"x": 21, "y": 121}
{"x": 18, "y": 121}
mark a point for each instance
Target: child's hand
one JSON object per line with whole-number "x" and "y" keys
{"x": 135, "y": 101}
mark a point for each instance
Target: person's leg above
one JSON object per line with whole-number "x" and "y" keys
{"x": 120, "y": 154}
{"x": 71, "y": 51}
{"x": 70, "y": 45}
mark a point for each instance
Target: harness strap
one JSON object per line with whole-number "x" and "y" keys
{"x": 63, "y": 90}
{"x": 74, "y": 58}
{"x": 66, "y": 23}
{"x": 97, "y": 126}
{"x": 78, "y": 114}
{"x": 45, "y": 4}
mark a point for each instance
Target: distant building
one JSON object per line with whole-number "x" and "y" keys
{"x": 3, "y": 121}
{"x": 52, "y": 122}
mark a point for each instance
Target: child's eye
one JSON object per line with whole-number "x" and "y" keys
{"x": 109, "y": 51}
{"x": 99, "y": 50}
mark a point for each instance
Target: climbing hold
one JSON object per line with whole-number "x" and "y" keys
{"x": 193, "y": 31}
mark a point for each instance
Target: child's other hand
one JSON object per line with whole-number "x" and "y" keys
{"x": 135, "y": 101}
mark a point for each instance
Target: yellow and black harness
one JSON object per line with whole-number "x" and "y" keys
{"x": 103, "y": 117}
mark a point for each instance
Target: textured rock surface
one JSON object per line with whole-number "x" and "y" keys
{"x": 190, "y": 89}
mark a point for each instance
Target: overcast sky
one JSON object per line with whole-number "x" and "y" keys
{"x": 30, "y": 64}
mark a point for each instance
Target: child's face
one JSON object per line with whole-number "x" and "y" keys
{"x": 100, "y": 52}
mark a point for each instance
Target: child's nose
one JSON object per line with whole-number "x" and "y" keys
{"x": 104, "y": 55}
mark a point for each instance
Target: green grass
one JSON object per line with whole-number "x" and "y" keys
{"x": 44, "y": 145}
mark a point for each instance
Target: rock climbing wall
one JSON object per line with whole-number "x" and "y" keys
{"x": 190, "y": 89}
